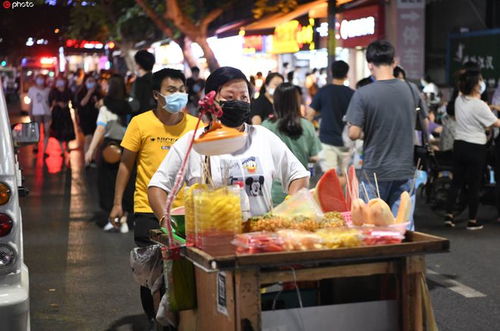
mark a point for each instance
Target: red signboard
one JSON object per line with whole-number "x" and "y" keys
{"x": 359, "y": 27}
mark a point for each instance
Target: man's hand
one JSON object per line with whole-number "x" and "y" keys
{"x": 115, "y": 215}
{"x": 89, "y": 157}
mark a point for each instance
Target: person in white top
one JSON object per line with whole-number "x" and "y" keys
{"x": 263, "y": 158}
{"x": 473, "y": 117}
{"x": 40, "y": 110}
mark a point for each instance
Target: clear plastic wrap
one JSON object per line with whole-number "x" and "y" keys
{"x": 295, "y": 240}
{"x": 301, "y": 203}
{"x": 258, "y": 242}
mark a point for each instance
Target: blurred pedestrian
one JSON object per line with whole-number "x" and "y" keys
{"x": 62, "y": 124}
{"x": 195, "y": 85}
{"x": 111, "y": 126}
{"x": 296, "y": 132}
{"x": 469, "y": 150}
{"x": 39, "y": 108}
{"x": 87, "y": 110}
{"x": 76, "y": 80}
{"x": 262, "y": 107}
{"x": 383, "y": 114}
{"x": 147, "y": 141}
{"x": 331, "y": 104}
{"x": 142, "y": 91}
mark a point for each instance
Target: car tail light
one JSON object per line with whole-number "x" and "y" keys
{"x": 5, "y": 225}
{"x": 7, "y": 256}
{"x": 4, "y": 194}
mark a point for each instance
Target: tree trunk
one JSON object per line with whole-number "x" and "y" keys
{"x": 212, "y": 62}
{"x": 185, "y": 44}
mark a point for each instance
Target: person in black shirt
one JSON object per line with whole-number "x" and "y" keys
{"x": 142, "y": 91}
{"x": 331, "y": 103}
{"x": 87, "y": 110}
{"x": 262, "y": 107}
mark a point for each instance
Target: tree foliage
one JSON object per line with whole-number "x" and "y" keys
{"x": 266, "y": 7}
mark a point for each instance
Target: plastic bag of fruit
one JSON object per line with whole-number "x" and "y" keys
{"x": 301, "y": 203}
{"x": 258, "y": 242}
{"x": 296, "y": 240}
{"x": 340, "y": 238}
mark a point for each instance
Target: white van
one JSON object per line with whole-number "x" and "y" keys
{"x": 14, "y": 279}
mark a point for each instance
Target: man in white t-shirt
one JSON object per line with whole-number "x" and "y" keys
{"x": 40, "y": 110}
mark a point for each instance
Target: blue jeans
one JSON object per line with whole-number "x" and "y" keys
{"x": 390, "y": 192}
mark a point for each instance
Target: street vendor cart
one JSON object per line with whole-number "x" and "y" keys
{"x": 229, "y": 287}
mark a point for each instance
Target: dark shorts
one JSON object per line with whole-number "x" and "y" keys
{"x": 143, "y": 223}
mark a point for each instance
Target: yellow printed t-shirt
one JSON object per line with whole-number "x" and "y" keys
{"x": 151, "y": 140}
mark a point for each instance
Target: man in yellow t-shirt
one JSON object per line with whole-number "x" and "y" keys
{"x": 147, "y": 141}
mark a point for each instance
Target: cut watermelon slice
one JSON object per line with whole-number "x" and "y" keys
{"x": 329, "y": 193}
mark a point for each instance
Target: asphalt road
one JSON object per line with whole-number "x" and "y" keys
{"x": 80, "y": 279}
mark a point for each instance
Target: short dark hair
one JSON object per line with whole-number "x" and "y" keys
{"x": 467, "y": 81}
{"x": 363, "y": 82}
{"x": 287, "y": 108}
{"x": 339, "y": 69}
{"x": 380, "y": 52}
{"x": 145, "y": 59}
{"x": 399, "y": 70}
{"x": 161, "y": 75}
{"x": 195, "y": 68}
{"x": 471, "y": 66}
{"x": 223, "y": 75}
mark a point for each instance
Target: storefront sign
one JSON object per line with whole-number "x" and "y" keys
{"x": 480, "y": 47}
{"x": 292, "y": 37}
{"x": 359, "y": 27}
{"x": 86, "y": 44}
{"x": 411, "y": 37}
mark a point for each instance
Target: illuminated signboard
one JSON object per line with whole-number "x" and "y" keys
{"x": 85, "y": 44}
{"x": 359, "y": 27}
{"x": 291, "y": 37}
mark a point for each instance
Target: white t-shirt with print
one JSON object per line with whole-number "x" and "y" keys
{"x": 473, "y": 117}
{"x": 39, "y": 100}
{"x": 263, "y": 158}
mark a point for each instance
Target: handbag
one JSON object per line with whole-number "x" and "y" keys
{"x": 112, "y": 152}
{"x": 422, "y": 154}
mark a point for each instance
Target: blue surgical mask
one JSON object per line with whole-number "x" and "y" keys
{"x": 175, "y": 102}
{"x": 40, "y": 81}
{"x": 59, "y": 83}
{"x": 90, "y": 85}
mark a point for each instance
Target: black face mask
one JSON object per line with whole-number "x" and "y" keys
{"x": 235, "y": 113}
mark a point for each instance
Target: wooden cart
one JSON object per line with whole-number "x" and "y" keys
{"x": 244, "y": 275}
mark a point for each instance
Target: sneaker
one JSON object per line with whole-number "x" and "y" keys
{"x": 123, "y": 224}
{"x": 109, "y": 227}
{"x": 474, "y": 226}
{"x": 449, "y": 221}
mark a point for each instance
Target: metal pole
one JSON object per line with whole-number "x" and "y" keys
{"x": 332, "y": 42}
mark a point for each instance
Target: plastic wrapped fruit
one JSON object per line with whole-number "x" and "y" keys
{"x": 379, "y": 213}
{"x": 258, "y": 242}
{"x": 295, "y": 240}
{"x": 340, "y": 238}
{"x": 381, "y": 236}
